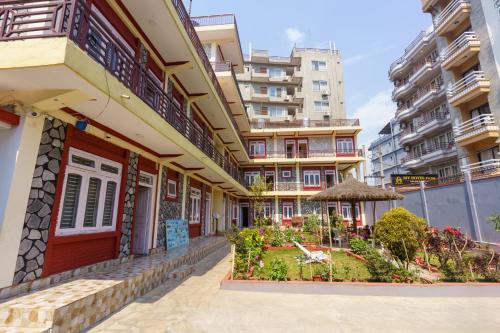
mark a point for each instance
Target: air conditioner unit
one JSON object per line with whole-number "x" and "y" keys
{"x": 286, "y": 98}
{"x": 325, "y": 92}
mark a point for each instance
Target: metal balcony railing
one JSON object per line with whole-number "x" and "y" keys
{"x": 220, "y": 19}
{"x": 465, "y": 39}
{"x": 465, "y": 83}
{"x": 407, "y": 50}
{"x": 73, "y": 18}
{"x": 430, "y": 148}
{"x": 483, "y": 166}
{"x": 426, "y": 120}
{"x": 476, "y": 123}
{"x": 303, "y": 123}
{"x": 311, "y": 153}
{"x": 449, "y": 10}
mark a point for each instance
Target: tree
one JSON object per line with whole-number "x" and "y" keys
{"x": 494, "y": 220}
{"x": 257, "y": 189}
{"x": 402, "y": 233}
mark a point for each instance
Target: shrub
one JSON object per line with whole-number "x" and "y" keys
{"x": 278, "y": 270}
{"x": 494, "y": 220}
{"x": 358, "y": 245}
{"x": 487, "y": 264}
{"x": 379, "y": 267}
{"x": 312, "y": 224}
{"x": 401, "y": 232}
{"x": 322, "y": 270}
{"x": 249, "y": 245}
{"x": 277, "y": 238}
{"x": 292, "y": 235}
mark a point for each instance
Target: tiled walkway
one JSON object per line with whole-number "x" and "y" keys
{"x": 197, "y": 304}
{"x": 76, "y": 305}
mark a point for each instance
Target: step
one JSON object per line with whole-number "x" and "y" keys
{"x": 76, "y": 305}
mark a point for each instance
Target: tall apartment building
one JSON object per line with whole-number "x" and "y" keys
{"x": 468, "y": 38}
{"x": 423, "y": 110}
{"x": 300, "y": 141}
{"x": 305, "y": 86}
{"x": 386, "y": 154}
{"x": 117, "y": 116}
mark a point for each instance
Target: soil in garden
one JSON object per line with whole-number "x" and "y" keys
{"x": 345, "y": 267}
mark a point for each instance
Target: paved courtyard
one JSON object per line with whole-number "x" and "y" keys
{"x": 198, "y": 305}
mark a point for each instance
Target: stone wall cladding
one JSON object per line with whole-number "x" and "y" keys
{"x": 31, "y": 255}
{"x": 291, "y": 179}
{"x": 129, "y": 205}
{"x": 310, "y": 207}
{"x": 169, "y": 210}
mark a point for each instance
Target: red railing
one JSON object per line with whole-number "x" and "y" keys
{"x": 75, "y": 19}
{"x": 294, "y": 186}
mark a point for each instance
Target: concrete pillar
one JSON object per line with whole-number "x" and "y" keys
{"x": 184, "y": 196}
{"x": 159, "y": 182}
{"x": 18, "y": 150}
{"x": 218, "y": 208}
{"x": 299, "y": 206}
{"x": 276, "y": 210}
{"x": 424, "y": 202}
{"x": 472, "y": 206}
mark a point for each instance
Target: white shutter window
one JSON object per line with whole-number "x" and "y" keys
{"x": 90, "y": 190}
{"x": 90, "y": 218}
{"x": 109, "y": 204}
{"x": 70, "y": 204}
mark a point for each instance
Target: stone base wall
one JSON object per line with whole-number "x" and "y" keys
{"x": 129, "y": 206}
{"x": 31, "y": 257}
{"x": 169, "y": 210}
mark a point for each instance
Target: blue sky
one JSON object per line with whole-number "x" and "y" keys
{"x": 370, "y": 35}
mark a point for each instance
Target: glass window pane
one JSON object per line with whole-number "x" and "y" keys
{"x": 70, "y": 205}
{"x": 90, "y": 218}
{"x": 83, "y": 161}
{"x": 109, "y": 204}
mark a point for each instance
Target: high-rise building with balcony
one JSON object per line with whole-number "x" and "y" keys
{"x": 307, "y": 85}
{"x": 300, "y": 141}
{"x": 386, "y": 154}
{"x": 118, "y": 117}
{"x": 423, "y": 109}
{"x": 468, "y": 38}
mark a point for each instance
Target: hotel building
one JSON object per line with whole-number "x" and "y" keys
{"x": 116, "y": 116}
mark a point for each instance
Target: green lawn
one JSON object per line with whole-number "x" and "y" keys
{"x": 345, "y": 267}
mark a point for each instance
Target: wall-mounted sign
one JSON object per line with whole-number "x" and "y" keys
{"x": 398, "y": 180}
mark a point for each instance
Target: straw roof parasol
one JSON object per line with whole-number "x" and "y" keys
{"x": 352, "y": 190}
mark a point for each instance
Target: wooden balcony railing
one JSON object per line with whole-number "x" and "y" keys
{"x": 73, "y": 18}
{"x": 295, "y": 186}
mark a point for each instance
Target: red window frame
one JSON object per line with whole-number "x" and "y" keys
{"x": 287, "y": 204}
{"x": 311, "y": 187}
{"x": 340, "y": 153}
{"x": 258, "y": 141}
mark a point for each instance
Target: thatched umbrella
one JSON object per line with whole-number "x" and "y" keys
{"x": 354, "y": 191}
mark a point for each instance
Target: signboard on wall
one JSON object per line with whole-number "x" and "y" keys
{"x": 399, "y": 180}
{"x": 491, "y": 10}
{"x": 177, "y": 233}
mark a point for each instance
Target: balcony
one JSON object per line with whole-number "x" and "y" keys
{"x": 427, "y": 94}
{"x": 473, "y": 85}
{"x": 402, "y": 90}
{"x": 476, "y": 129}
{"x": 426, "y": 126}
{"x": 399, "y": 66}
{"x": 461, "y": 50}
{"x": 425, "y": 69}
{"x": 304, "y": 123}
{"x": 485, "y": 168}
{"x": 432, "y": 153}
{"x": 311, "y": 155}
{"x": 74, "y": 20}
{"x": 452, "y": 16}
{"x": 428, "y": 4}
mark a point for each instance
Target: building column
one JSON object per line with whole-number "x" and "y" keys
{"x": 276, "y": 209}
{"x": 299, "y": 205}
{"x": 184, "y": 196}
{"x": 19, "y": 150}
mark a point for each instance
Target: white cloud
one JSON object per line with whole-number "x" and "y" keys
{"x": 373, "y": 115}
{"x": 294, "y": 35}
